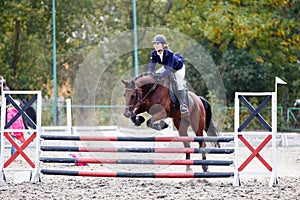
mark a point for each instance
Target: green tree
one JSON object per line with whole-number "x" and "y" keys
{"x": 265, "y": 33}
{"x": 250, "y": 41}
{"x": 22, "y": 60}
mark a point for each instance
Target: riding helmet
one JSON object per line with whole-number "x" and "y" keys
{"x": 159, "y": 38}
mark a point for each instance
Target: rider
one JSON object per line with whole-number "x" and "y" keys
{"x": 171, "y": 62}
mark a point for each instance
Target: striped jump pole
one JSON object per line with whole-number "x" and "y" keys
{"x": 138, "y": 150}
{"x": 138, "y": 139}
{"x": 139, "y": 175}
{"x": 136, "y": 161}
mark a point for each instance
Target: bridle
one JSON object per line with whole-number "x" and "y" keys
{"x": 138, "y": 99}
{"x": 132, "y": 106}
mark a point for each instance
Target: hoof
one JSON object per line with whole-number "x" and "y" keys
{"x": 188, "y": 169}
{"x": 138, "y": 120}
{"x": 205, "y": 168}
{"x": 158, "y": 126}
{"x": 163, "y": 124}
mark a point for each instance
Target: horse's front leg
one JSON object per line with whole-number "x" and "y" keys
{"x": 157, "y": 113}
{"x": 204, "y": 167}
{"x": 137, "y": 120}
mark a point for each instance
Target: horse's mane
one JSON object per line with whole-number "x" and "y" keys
{"x": 142, "y": 75}
{"x": 144, "y": 79}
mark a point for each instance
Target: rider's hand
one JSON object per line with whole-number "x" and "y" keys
{"x": 158, "y": 76}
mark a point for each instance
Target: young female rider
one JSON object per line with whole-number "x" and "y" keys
{"x": 171, "y": 63}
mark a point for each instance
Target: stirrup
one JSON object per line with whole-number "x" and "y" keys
{"x": 184, "y": 109}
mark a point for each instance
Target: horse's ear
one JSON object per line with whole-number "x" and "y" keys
{"x": 129, "y": 84}
{"x": 125, "y": 82}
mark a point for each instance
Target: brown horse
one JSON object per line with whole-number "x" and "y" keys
{"x": 146, "y": 94}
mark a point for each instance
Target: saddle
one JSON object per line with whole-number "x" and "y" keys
{"x": 172, "y": 87}
{"x": 174, "y": 91}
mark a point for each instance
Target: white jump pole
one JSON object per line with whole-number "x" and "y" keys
{"x": 236, "y": 178}
{"x": 69, "y": 115}
{"x": 273, "y": 178}
{"x": 3, "y": 113}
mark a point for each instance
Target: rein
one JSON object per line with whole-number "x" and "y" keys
{"x": 146, "y": 95}
{"x": 140, "y": 101}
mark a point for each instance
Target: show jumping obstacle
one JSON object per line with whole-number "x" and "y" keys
{"x": 5, "y": 164}
{"x": 92, "y": 160}
{"x": 240, "y": 137}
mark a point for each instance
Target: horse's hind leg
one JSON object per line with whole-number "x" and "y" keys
{"x": 157, "y": 113}
{"x": 198, "y": 130}
{"x": 182, "y": 127}
{"x": 204, "y": 167}
{"x": 187, "y": 156}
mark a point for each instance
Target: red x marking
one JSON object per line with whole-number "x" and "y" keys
{"x": 19, "y": 150}
{"x": 255, "y": 152}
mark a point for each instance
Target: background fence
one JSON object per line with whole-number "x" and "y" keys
{"x": 288, "y": 118}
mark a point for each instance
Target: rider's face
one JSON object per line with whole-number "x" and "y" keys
{"x": 158, "y": 46}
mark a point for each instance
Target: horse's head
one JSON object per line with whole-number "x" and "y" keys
{"x": 134, "y": 93}
{"x": 131, "y": 97}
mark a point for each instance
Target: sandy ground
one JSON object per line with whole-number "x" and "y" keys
{"x": 253, "y": 186}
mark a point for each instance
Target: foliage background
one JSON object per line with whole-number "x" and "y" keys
{"x": 251, "y": 41}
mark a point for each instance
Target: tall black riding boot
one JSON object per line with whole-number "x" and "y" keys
{"x": 183, "y": 100}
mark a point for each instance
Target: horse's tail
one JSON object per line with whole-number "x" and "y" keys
{"x": 210, "y": 128}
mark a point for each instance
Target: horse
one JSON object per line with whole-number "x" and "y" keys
{"x": 145, "y": 93}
